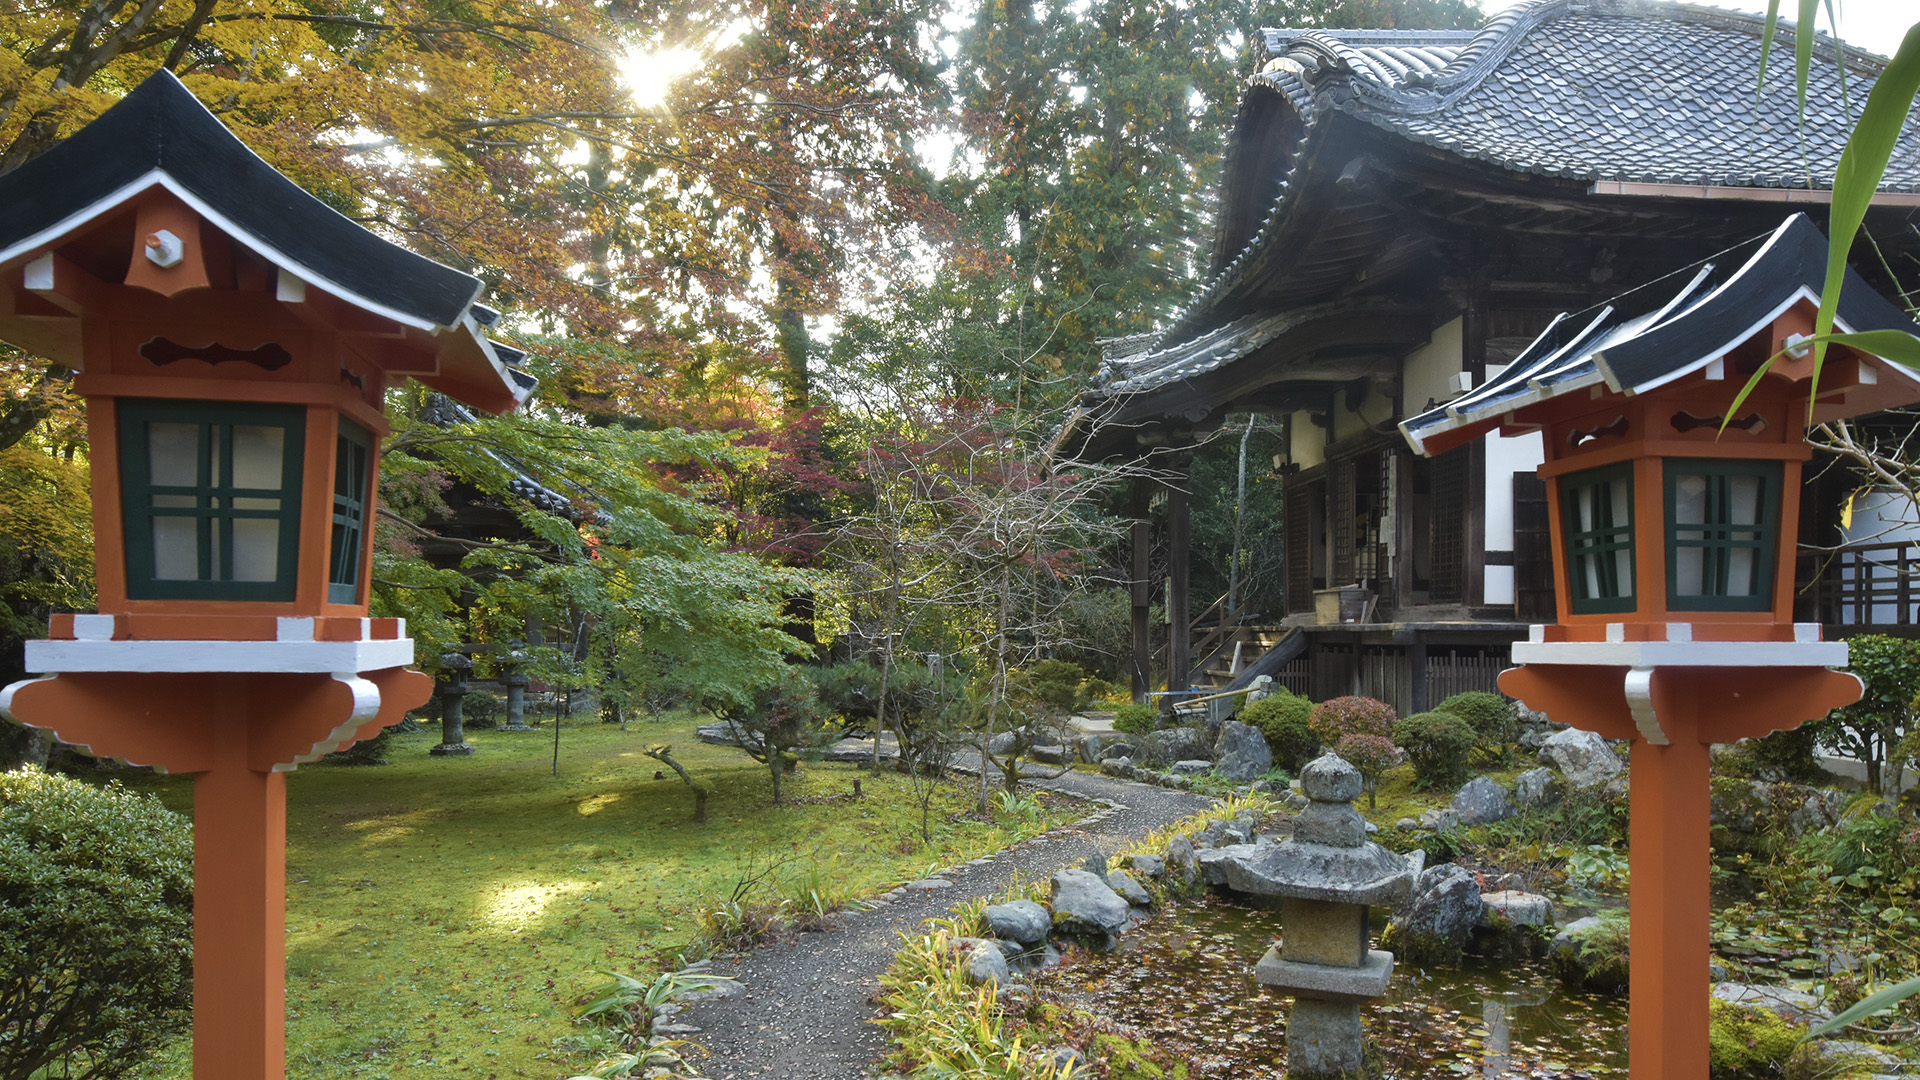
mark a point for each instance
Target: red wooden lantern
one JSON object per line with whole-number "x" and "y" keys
{"x": 1674, "y": 532}
{"x": 234, "y": 339}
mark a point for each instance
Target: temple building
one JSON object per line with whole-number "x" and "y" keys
{"x": 1403, "y": 214}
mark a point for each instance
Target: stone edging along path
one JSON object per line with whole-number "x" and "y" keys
{"x": 802, "y": 1010}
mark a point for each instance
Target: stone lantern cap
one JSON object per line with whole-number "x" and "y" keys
{"x": 1329, "y": 857}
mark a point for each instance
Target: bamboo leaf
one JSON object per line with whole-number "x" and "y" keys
{"x": 1895, "y": 345}
{"x": 1857, "y": 177}
{"x": 1803, "y": 51}
{"x": 1870, "y": 1004}
{"x": 1766, "y": 46}
{"x": 1765, "y": 367}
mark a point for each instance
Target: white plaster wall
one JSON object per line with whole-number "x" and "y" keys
{"x": 1425, "y": 371}
{"x": 1504, "y": 458}
{"x": 1374, "y": 413}
{"x": 1496, "y": 585}
{"x": 1306, "y": 441}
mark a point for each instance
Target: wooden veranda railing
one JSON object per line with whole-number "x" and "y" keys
{"x": 1870, "y": 585}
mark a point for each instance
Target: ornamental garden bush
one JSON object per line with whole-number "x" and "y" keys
{"x": 1134, "y": 719}
{"x": 1491, "y": 718}
{"x": 96, "y": 950}
{"x": 1333, "y": 720}
{"x": 1283, "y": 718}
{"x": 1439, "y": 744}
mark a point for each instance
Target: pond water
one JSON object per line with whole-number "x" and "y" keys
{"x": 1185, "y": 981}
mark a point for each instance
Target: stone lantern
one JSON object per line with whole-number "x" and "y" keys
{"x": 513, "y": 676}
{"x": 453, "y": 719}
{"x": 1327, "y": 874}
{"x": 234, "y": 339}
{"x": 1673, "y": 532}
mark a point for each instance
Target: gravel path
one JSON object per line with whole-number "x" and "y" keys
{"x": 806, "y": 1010}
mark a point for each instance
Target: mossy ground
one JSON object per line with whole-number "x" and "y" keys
{"x": 446, "y": 914}
{"x": 1397, "y": 798}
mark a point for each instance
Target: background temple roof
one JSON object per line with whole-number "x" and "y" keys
{"x": 1579, "y": 92}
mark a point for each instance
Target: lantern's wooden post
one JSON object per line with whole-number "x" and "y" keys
{"x": 1671, "y": 860}
{"x": 239, "y": 903}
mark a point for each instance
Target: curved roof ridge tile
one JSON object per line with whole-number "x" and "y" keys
{"x": 1503, "y": 34}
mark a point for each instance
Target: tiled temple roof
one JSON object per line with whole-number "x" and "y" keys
{"x": 1600, "y": 91}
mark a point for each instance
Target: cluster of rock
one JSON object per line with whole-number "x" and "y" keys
{"x": 1574, "y": 760}
{"x": 1446, "y": 916}
{"x": 1170, "y": 757}
{"x": 1090, "y": 905}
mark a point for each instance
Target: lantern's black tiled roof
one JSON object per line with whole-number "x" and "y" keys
{"x": 1667, "y": 329}
{"x": 161, "y": 134}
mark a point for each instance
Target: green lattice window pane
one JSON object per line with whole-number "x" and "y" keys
{"x": 352, "y": 468}
{"x": 211, "y": 496}
{"x": 1723, "y": 523}
{"x": 1598, "y": 509}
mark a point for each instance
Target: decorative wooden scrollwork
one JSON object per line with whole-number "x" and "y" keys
{"x": 1752, "y": 423}
{"x": 268, "y": 357}
{"x": 1583, "y": 436}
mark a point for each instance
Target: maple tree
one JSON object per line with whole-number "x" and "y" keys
{"x": 629, "y": 552}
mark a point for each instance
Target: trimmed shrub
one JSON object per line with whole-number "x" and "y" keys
{"x": 96, "y": 951}
{"x": 480, "y": 710}
{"x": 1491, "y": 718}
{"x": 1050, "y": 688}
{"x": 1439, "y": 744}
{"x": 1282, "y": 718}
{"x": 1342, "y": 716}
{"x": 1783, "y": 755}
{"x": 1373, "y": 755}
{"x": 1135, "y": 719}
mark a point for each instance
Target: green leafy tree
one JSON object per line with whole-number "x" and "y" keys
{"x": 1873, "y": 727}
{"x": 633, "y": 554}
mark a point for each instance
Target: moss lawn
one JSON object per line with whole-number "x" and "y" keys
{"x": 447, "y": 914}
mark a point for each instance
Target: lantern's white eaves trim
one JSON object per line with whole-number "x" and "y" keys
{"x": 208, "y": 657}
{"x": 1650, "y": 654}
{"x": 272, "y": 255}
